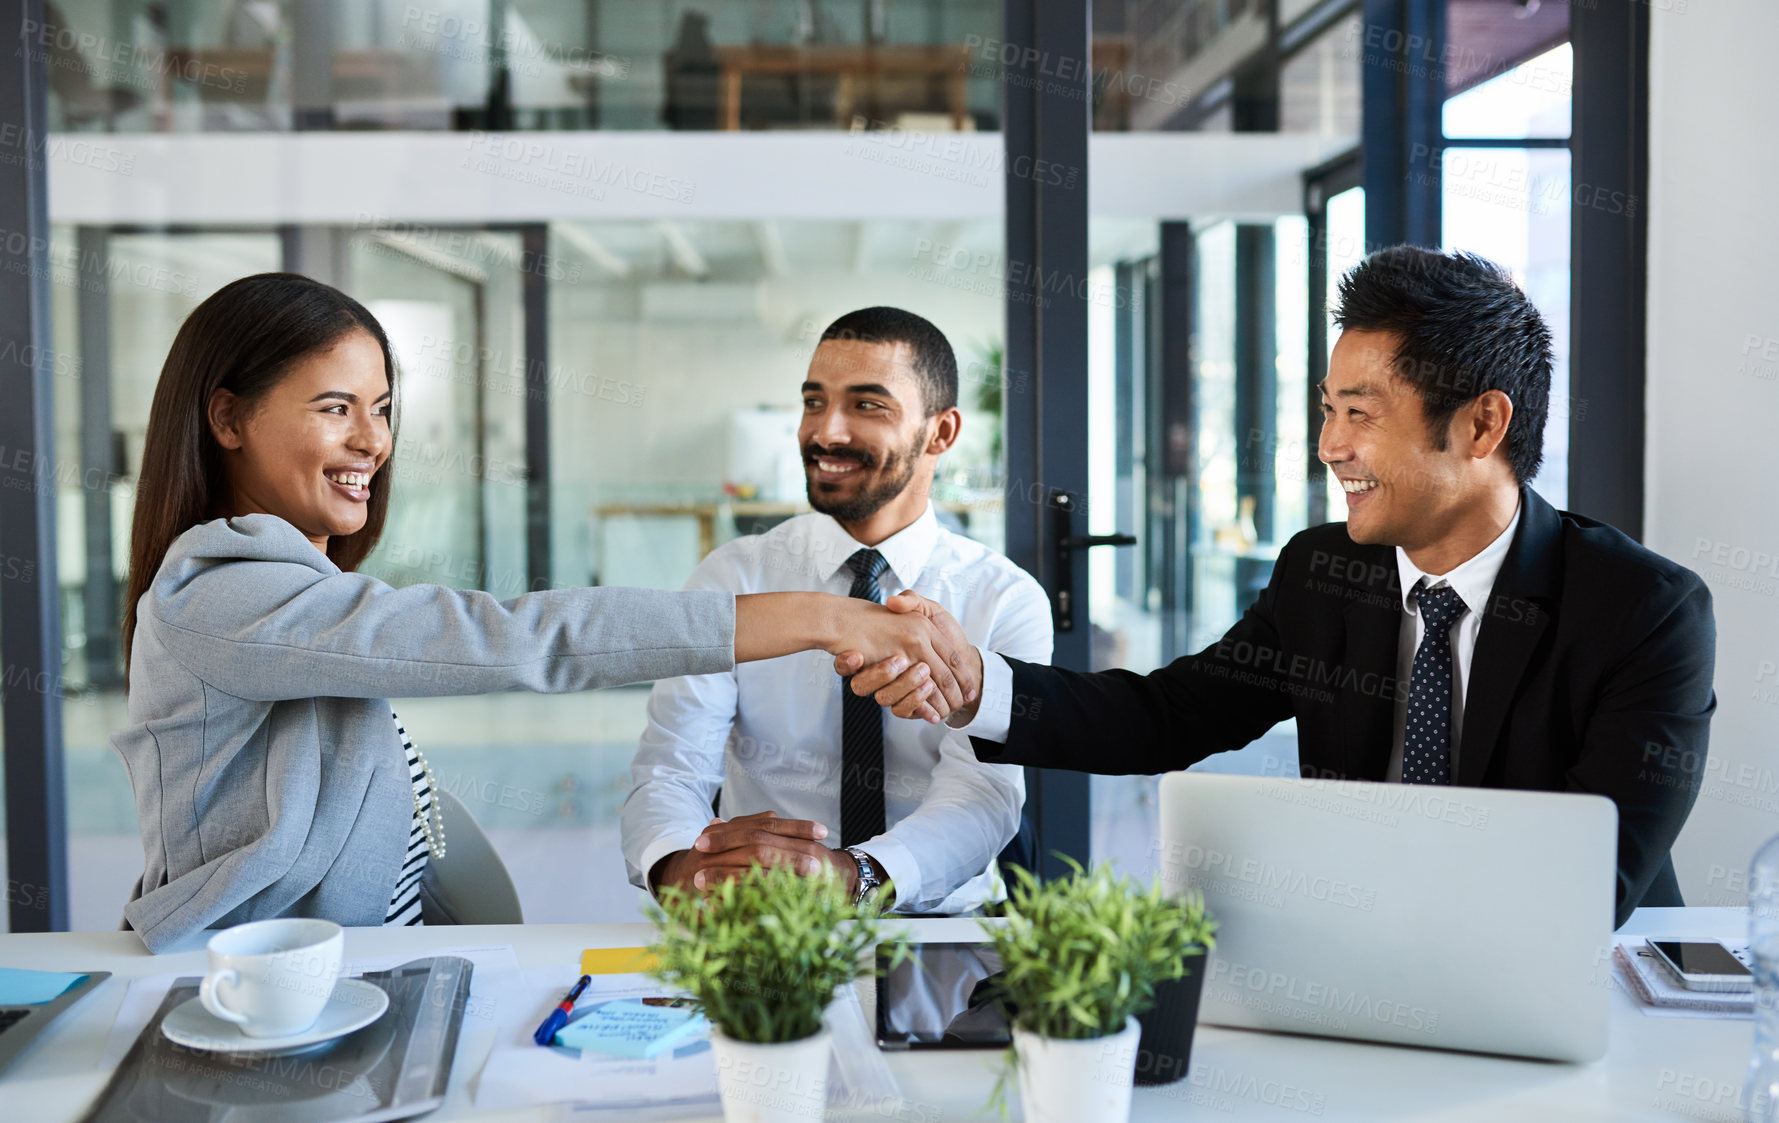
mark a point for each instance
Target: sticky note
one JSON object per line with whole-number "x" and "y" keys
{"x": 33, "y": 988}
{"x": 617, "y": 961}
{"x": 633, "y": 1027}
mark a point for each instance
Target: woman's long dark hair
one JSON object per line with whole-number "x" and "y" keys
{"x": 243, "y": 339}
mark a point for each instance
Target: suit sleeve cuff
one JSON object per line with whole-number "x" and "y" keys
{"x": 898, "y": 865}
{"x": 994, "y": 714}
{"x": 660, "y": 848}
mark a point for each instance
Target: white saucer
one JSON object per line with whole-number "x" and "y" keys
{"x": 353, "y": 1005}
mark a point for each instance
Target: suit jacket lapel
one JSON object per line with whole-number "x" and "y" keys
{"x": 1515, "y": 619}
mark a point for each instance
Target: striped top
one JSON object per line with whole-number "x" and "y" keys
{"x": 404, "y": 907}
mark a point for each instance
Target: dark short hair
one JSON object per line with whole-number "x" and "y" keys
{"x": 934, "y": 363}
{"x": 1464, "y": 329}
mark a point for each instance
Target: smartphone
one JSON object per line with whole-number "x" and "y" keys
{"x": 1702, "y": 965}
{"x": 942, "y": 996}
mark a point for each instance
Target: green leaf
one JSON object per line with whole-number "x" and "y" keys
{"x": 762, "y": 955}
{"x": 1083, "y": 953}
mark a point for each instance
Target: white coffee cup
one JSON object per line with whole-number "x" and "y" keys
{"x": 273, "y": 977}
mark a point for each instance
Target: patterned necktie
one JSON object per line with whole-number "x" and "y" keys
{"x": 861, "y": 729}
{"x": 1427, "y": 734}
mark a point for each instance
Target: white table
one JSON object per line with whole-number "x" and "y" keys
{"x": 1658, "y": 1068}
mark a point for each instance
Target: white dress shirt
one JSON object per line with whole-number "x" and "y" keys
{"x": 1474, "y": 581}
{"x": 768, "y": 733}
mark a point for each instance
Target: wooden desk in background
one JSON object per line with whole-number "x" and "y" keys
{"x": 850, "y": 64}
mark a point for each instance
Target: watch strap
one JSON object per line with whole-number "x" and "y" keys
{"x": 870, "y": 877}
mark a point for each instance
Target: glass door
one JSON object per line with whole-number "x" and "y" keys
{"x": 1198, "y": 444}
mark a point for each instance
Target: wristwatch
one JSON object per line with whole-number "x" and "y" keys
{"x": 870, "y": 878}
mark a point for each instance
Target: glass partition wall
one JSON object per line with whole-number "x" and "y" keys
{"x": 190, "y": 66}
{"x": 677, "y": 357}
{"x": 599, "y": 387}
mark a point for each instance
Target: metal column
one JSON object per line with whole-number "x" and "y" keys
{"x": 1609, "y": 147}
{"x": 1172, "y": 451}
{"x": 30, "y": 617}
{"x": 99, "y": 461}
{"x": 1046, "y": 131}
{"x": 535, "y": 241}
{"x": 1403, "y": 81}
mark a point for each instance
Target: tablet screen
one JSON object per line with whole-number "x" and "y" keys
{"x": 941, "y": 997}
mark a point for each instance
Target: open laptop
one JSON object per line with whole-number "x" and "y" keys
{"x": 20, "y": 1025}
{"x": 1457, "y": 918}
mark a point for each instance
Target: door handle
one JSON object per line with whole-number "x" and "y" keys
{"x": 1097, "y": 540}
{"x": 1062, "y": 597}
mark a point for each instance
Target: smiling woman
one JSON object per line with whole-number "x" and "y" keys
{"x": 271, "y": 777}
{"x": 231, "y": 358}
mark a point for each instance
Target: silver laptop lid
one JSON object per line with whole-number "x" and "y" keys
{"x": 1459, "y": 918}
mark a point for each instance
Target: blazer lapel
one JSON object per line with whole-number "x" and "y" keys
{"x": 1516, "y": 618}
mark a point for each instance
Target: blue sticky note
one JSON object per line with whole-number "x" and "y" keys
{"x": 633, "y": 1027}
{"x": 33, "y": 988}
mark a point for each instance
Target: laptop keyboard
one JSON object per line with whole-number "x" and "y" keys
{"x": 10, "y": 1018}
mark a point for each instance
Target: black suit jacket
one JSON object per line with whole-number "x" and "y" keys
{"x": 1592, "y": 673}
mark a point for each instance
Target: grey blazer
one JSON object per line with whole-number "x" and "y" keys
{"x": 268, "y": 776}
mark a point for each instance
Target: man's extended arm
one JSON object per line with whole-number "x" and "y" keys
{"x": 1118, "y": 722}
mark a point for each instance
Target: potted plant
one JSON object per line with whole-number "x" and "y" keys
{"x": 1080, "y": 957}
{"x": 761, "y": 956}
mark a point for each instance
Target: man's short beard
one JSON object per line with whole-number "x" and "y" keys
{"x": 871, "y": 500}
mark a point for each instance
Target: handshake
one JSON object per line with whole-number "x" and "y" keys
{"x": 913, "y": 659}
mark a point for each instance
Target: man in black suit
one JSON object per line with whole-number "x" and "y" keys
{"x": 1456, "y": 629}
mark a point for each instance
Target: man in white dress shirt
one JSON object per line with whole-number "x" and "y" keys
{"x": 807, "y": 778}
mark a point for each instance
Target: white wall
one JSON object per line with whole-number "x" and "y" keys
{"x": 1712, "y": 454}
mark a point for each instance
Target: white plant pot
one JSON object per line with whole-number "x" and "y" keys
{"x": 1077, "y": 1081}
{"x": 780, "y": 1083}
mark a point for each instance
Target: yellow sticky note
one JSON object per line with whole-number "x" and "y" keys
{"x": 616, "y": 961}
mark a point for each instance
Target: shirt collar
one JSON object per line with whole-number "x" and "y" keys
{"x": 1473, "y": 580}
{"x": 906, "y": 551}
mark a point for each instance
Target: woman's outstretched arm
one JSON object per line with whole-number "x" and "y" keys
{"x": 249, "y": 606}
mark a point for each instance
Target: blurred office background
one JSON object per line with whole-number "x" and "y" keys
{"x": 605, "y": 236}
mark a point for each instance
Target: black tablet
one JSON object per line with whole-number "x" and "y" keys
{"x": 941, "y": 997}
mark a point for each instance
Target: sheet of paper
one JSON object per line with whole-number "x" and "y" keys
{"x": 19, "y": 987}
{"x": 495, "y": 966}
{"x": 521, "y": 1073}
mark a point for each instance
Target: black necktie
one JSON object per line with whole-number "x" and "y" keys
{"x": 861, "y": 729}
{"x": 1427, "y": 734}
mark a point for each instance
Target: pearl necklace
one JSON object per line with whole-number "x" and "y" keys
{"x": 433, "y": 830}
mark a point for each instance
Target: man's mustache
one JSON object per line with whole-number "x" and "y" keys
{"x": 864, "y": 459}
